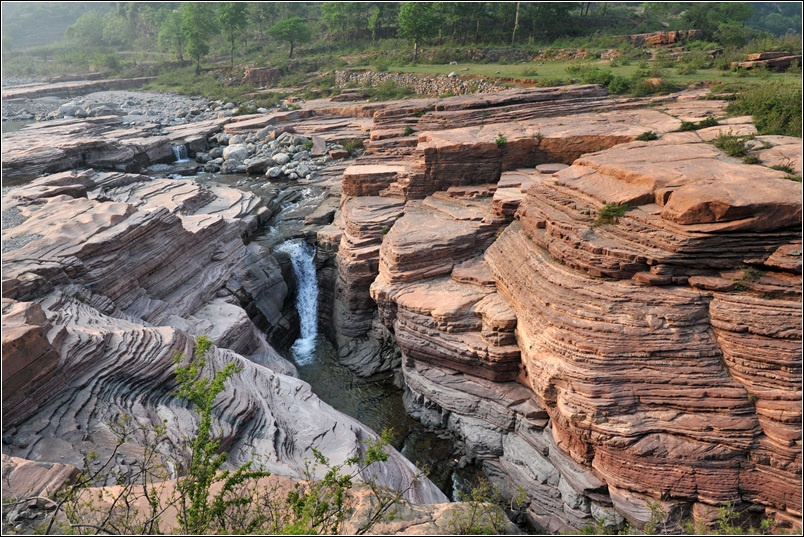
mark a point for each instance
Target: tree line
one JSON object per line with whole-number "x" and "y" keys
{"x": 194, "y": 29}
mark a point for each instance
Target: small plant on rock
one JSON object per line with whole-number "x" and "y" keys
{"x": 501, "y": 140}
{"x": 732, "y": 145}
{"x": 786, "y": 167}
{"x": 611, "y": 213}
{"x": 352, "y": 146}
{"x": 704, "y": 123}
{"x": 647, "y": 136}
{"x": 409, "y": 130}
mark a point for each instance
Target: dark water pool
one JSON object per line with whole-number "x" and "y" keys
{"x": 378, "y": 405}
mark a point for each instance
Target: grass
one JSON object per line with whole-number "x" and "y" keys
{"x": 704, "y": 123}
{"x": 786, "y": 168}
{"x": 557, "y": 72}
{"x": 351, "y": 146}
{"x": 185, "y": 82}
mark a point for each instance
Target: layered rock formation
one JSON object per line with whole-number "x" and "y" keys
{"x": 602, "y": 322}
{"x": 106, "y": 277}
{"x": 601, "y": 360}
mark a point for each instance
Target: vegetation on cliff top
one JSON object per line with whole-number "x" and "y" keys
{"x": 540, "y": 43}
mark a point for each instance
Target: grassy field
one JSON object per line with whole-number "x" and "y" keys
{"x": 536, "y": 71}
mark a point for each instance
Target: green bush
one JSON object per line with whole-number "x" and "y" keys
{"x": 647, "y": 136}
{"x": 776, "y": 108}
{"x": 591, "y": 75}
{"x": 501, "y": 140}
{"x": 619, "y": 85}
{"x": 732, "y": 145}
{"x": 704, "y": 123}
{"x": 551, "y": 82}
{"x": 611, "y": 213}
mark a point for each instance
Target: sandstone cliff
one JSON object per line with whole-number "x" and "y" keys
{"x": 600, "y": 363}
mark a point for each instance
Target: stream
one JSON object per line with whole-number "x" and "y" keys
{"x": 377, "y": 403}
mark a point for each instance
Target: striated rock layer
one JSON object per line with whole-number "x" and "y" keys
{"x": 106, "y": 277}
{"x": 599, "y": 358}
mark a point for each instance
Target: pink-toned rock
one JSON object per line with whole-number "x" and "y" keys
{"x": 23, "y": 478}
{"x": 370, "y": 179}
{"x": 28, "y": 358}
{"x": 261, "y": 76}
{"x": 66, "y": 144}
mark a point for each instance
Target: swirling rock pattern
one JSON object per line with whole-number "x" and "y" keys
{"x": 122, "y": 271}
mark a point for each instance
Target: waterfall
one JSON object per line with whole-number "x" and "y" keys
{"x": 180, "y": 152}
{"x": 302, "y": 257}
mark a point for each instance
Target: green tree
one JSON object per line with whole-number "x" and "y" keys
{"x": 116, "y": 31}
{"x": 709, "y": 16}
{"x": 262, "y": 13}
{"x": 417, "y": 22}
{"x": 198, "y": 26}
{"x": 171, "y": 38}
{"x": 87, "y": 30}
{"x": 232, "y": 19}
{"x": 549, "y": 20}
{"x": 293, "y": 30}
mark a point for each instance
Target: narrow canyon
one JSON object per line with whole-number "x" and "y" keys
{"x": 602, "y": 322}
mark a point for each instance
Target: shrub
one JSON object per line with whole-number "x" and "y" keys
{"x": 751, "y": 159}
{"x": 240, "y": 505}
{"x": 381, "y": 64}
{"x": 591, "y": 75}
{"x": 619, "y": 85}
{"x": 691, "y": 126}
{"x": 647, "y": 136}
{"x": 351, "y": 146}
{"x": 501, "y": 140}
{"x": 481, "y": 513}
{"x": 733, "y": 146}
{"x": 776, "y": 108}
{"x": 409, "y": 130}
{"x": 610, "y": 213}
{"x": 551, "y": 82}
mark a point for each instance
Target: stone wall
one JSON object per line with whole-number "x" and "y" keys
{"x": 429, "y": 85}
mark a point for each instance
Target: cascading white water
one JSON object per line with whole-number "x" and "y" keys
{"x": 302, "y": 256}
{"x": 180, "y": 152}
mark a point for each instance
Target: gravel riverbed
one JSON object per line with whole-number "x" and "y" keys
{"x": 135, "y": 107}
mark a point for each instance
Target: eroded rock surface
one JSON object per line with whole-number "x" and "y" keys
{"x": 599, "y": 359}
{"x": 108, "y": 276}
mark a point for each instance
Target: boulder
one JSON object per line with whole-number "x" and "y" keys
{"x": 236, "y": 152}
